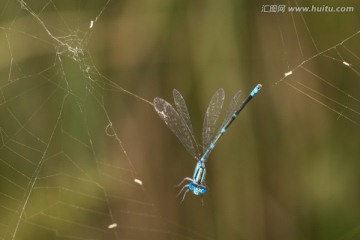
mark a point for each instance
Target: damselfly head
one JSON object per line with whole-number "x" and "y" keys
{"x": 196, "y": 189}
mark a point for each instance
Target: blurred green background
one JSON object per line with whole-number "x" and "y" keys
{"x": 77, "y": 79}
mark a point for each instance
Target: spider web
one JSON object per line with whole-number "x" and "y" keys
{"x": 71, "y": 166}
{"x": 325, "y": 69}
{"x": 60, "y": 175}
{"x": 316, "y": 75}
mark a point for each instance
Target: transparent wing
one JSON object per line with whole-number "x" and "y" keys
{"x": 176, "y": 124}
{"x": 184, "y": 114}
{"x": 211, "y": 117}
{"x": 233, "y": 106}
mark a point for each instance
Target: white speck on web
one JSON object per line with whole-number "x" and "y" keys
{"x": 346, "y": 63}
{"x": 138, "y": 181}
{"x": 111, "y": 226}
{"x": 288, "y": 73}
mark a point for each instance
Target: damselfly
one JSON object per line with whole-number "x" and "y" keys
{"x": 178, "y": 120}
